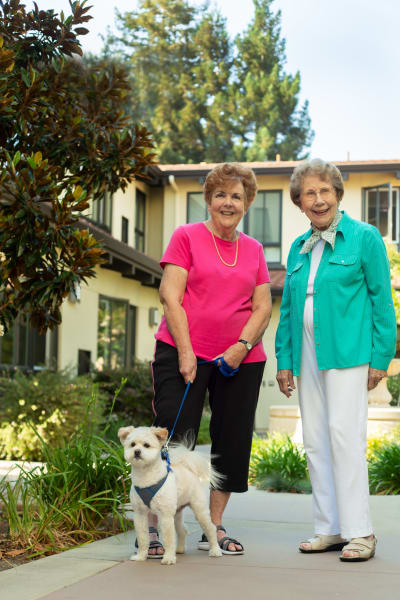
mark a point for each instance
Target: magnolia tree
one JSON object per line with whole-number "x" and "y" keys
{"x": 65, "y": 138}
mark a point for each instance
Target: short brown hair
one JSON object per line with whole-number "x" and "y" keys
{"x": 228, "y": 172}
{"x": 325, "y": 170}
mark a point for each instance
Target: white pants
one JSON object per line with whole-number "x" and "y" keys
{"x": 334, "y": 410}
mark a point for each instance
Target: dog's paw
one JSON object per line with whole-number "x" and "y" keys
{"x": 215, "y": 551}
{"x": 138, "y": 557}
{"x": 180, "y": 550}
{"x": 168, "y": 560}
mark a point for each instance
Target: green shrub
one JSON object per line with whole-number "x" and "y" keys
{"x": 204, "y": 431}
{"x": 278, "y": 464}
{"x": 384, "y": 469}
{"x": 52, "y": 402}
{"x": 393, "y": 385}
{"x": 134, "y": 404}
{"x": 76, "y": 497}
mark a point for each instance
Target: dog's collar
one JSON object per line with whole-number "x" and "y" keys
{"x": 147, "y": 493}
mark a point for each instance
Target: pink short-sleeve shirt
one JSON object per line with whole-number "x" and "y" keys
{"x": 217, "y": 299}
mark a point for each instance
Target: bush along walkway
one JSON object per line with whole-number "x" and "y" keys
{"x": 73, "y": 498}
{"x": 278, "y": 464}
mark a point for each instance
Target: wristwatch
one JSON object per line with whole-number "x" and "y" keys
{"x": 246, "y": 343}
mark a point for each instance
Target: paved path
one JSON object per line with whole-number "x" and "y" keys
{"x": 269, "y": 525}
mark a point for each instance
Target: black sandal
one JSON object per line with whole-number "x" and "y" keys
{"x": 153, "y": 544}
{"x": 223, "y": 543}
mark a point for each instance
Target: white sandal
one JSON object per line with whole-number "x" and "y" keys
{"x": 323, "y": 543}
{"x": 364, "y": 546}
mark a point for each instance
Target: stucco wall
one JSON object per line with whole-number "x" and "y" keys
{"x": 80, "y": 319}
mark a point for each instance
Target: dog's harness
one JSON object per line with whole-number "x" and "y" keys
{"x": 147, "y": 494}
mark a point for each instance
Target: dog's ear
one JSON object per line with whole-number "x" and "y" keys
{"x": 123, "y": 432}
{"x": 161, "y": 433}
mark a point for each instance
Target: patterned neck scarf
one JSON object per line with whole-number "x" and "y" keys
{"x": 329, "y": 235}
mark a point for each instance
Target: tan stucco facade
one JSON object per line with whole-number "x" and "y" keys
{"x": 80, "y": 319}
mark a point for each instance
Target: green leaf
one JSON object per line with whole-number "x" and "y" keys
{"x": 25, "y": 78}
{"x": 17, "y": 158}
{"x": 31, "y": 162}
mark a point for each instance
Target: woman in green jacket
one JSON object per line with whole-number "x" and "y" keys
{"x": 337, "y": 334}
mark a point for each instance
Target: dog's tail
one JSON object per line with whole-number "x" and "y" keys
{"x": 196, "y": 462}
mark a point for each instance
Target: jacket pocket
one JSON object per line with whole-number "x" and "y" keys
{"x": 345, "y": 261}
{"x": 294, "y": 275}
{"x": 344, "y": 269}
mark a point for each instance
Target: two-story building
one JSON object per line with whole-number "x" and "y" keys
{"x": 112, "y": 320}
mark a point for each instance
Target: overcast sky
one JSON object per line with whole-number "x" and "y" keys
{"x": 348, "y": 55}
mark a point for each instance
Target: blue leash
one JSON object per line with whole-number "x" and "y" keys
{"x": 148, "y": 493}
{"x": 226, "y": 371}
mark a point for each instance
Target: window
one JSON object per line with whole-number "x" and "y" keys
{"x": 116, "y": 334}
{"x": 24, "y": 347}
{"x": 379, "y": 211}
{"x": 101, "y": 211}
{"x": 84, "y": 357}
{"x": 124, "y": 230}
{"x": 196, "y": 210}
{"x": 140, "y": 221}
{"x": 263, "y": 222}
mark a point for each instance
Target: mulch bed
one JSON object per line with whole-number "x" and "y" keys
{"x": 10, "y": 556}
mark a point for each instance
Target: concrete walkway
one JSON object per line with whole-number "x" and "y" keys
{"x": 270, "y": 527}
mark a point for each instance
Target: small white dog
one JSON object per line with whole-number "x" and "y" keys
{"x": 165, "y": 493}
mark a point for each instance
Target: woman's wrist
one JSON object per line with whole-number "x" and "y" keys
{"x": 185, "y": 351}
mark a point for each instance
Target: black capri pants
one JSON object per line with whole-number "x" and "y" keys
{"x": 233, "y": 402}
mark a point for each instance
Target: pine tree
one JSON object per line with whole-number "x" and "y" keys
{"x": 266, "y": 97}
{"x": 180, "y": 60}
{"x": 204, "y": 97}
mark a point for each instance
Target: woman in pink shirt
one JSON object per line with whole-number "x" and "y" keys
{"x": 217, "y": 303}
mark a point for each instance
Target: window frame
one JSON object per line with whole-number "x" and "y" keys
{"x": 124, "y": 230}
{"x": 187, "y": 206}
{"x": 140, "y": 234}
{"x": 101, "y": 211}
{"x": 275, "y": 264}
{"x": 130, "y": 331}
{"x": 31, "y": 336}
{"x": 364, "y": 216}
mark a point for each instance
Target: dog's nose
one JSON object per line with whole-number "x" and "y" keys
{"x": 137, "y": 453}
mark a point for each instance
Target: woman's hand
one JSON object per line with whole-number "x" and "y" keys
{"x": 285, "y": 380}
{"x": 187, "y": 365}
{"x": 374, "y": 377}
{"x": 234, "y": 355}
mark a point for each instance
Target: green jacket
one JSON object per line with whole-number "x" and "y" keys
{"x": 354, "y": 318}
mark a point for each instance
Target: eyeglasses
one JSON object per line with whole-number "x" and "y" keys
{"x": 323, "y": 193}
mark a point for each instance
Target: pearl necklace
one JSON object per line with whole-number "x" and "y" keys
{"x": 219, "y": 255}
